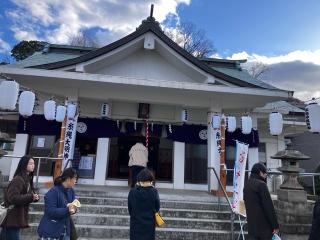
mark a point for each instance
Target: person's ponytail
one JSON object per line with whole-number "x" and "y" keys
{"x": 58, "y": 181}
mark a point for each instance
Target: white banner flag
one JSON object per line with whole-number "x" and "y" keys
{"x": 69, "y": 140}
{"x": 239, "y": 175}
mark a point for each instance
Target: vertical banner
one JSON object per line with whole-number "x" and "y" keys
{"x": 239, "y": 175}
{"x": 69, "y": 140}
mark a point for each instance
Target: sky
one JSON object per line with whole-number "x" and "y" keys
{"x": 282, "y": 34}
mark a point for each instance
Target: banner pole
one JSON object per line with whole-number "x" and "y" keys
{"x": 58, "y": 163}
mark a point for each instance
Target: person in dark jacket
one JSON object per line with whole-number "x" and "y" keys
{"x": 315, "y": 228}
{"x": 143, "y": 203}
{"x": 56, "y": 222}
{"x": 261, "y": 216}
{"x": 20, "y": 193}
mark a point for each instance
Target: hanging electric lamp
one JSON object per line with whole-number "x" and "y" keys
{"x": 26, "y": 103}
{"x": 275, "y": 123}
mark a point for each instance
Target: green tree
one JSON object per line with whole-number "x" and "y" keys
{"x": 25, "y": 49}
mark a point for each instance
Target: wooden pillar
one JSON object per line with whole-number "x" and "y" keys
{"x": 58, "y": 163}
{"x": 223, "y": 173}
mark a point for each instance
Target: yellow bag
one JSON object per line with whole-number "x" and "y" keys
{"x": 159, "y": 219}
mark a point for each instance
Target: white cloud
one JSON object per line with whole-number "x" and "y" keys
{"x": 306, "y": 56}
{"x": 4, "y": 46}
{"x": 297, "y": 71}
{"x": 57, "y": 20}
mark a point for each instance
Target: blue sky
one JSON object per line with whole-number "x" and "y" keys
{"x": 283, "y": 34}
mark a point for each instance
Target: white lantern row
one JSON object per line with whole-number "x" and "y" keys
{"x": 275, "y": 123}
{"x": 246, "y": 124}
{"x": 9, "y": 91}
{"x": 26, "y": 103}
{"x": 313, "y": 117}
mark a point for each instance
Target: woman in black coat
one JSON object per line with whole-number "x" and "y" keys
{"x": 315, "y": 228}
{"x": 261, "y": 216}
{"x": 143, "y": 203}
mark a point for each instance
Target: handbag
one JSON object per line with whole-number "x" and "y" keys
{"x": 159, "y": 219}
{"x": 276, "y": 237}
{"x": 4, "y": 211}
{"x": 73, "y": 231}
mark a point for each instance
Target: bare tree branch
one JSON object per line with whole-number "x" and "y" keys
{"x": 257, "y": 69}
{"x": 192, "y": 39}
{"x": 82, "y": 39}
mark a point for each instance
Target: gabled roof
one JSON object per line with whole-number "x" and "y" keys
{"x": 153, "y": 26}
{"x": 53, "y": 53}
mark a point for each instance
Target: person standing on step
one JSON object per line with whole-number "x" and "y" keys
{"x": 138, "y": 161}
{"x": 143, "y": 203}
{"x": 261, "y": 216}
{"x": 19, "y": 194}
{"x": 56, "y": 223}
{"x": 315, "y": 228}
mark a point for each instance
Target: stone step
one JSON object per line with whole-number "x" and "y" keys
{"x": 164, "y": 203}
{"x": 124, "y": 220}
{"x": 165, "y": 212}
{"x": 122, "y": 232}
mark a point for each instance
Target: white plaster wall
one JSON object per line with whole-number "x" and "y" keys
{"x": 146, "y": 64}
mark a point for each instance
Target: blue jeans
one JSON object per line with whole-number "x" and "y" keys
{"x": 11, "y": 233}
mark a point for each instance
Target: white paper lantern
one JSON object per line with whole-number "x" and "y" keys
{"x": 61, "y": 113}
{"x": 50, "y": 110}
{"x": 313, "y": 117}
{"x": 231, "y": 123}
{"x": 184, "y": 115}
{"x": 246, "y": 124}
{"x": 216, "y": 121}
{"x": 105, "y": 110}
{"x": 26, "y": 103}
{"x": 9, "y": 91}
{"x": 275, "y": 123}
{"x": 71, "y": 110}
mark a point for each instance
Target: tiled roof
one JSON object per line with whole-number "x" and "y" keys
{"x": 243, "y": 75}
{"x": 44, "y": 58}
